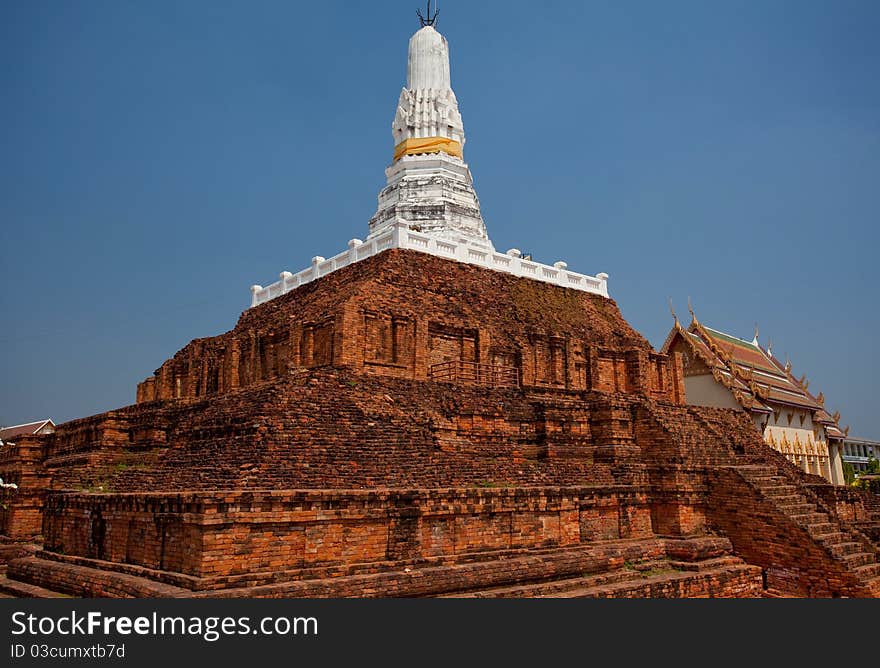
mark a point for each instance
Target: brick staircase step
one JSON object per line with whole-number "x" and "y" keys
{"x": 774, "y": 593}
{"x": 858, "y": 559}
{"x": 767, "y": 478}
{"x": 797, "y": 509}
{"x": 868, "y": 571}
{"x": 822, "y": 528}
{"x": 777, "y": 491}
{"x": 811, "y": 519}
{"x": 548, "y": 588}
{"x": 15, "y": 589}
{"x": 843, "y": 549}
{"x": 830, "y": 537}
{"x": 791, "y": 499}
{"x": 706, "y": 564}
{"x": 662, "y": 585}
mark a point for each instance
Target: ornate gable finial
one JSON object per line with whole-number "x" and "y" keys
{"x": 769, "y": 347}
{"x": 755, "y": 340}
{"x": 787, "y": 365}
{"x": 674, "y": 315}
{"x": 836, "y": 416}
{"x": 691, "y": 309}
{"x": 846, "y": 432}
{"x": 821, "y": 399}
{"x": 429, "y": 20}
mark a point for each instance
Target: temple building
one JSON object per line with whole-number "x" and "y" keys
{"x": 39, "y": 428}
{"x": 728, "y": 372}
{"x": 859, "y": 452}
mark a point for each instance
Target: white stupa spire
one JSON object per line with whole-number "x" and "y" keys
{"x": 428, "y": 62}
{"x": 427, "y": 108}
{"x": 429, "y": 186}
{"x": 429, "y": 204}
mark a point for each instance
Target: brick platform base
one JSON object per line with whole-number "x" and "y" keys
{"x": 613, "y": 568}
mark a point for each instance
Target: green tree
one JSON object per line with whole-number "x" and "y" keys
{"x": 849, "y": 473}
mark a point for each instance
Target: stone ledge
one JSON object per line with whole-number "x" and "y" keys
{"x": 400, "y": 235}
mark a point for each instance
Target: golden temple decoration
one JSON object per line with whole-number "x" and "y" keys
{"x": 674, "y": 314}
{"x": 427, "y": 145}
{"x": 691, "y": 310}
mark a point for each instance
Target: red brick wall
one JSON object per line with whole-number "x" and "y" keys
{"x": 219, "y": 534}
{"x": 21, "y": 508}
{"x": 400, "y": 312}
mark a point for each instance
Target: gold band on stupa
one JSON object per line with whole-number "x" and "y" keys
{"x": 427, "y": 145}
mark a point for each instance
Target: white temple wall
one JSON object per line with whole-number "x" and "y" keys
{"x": 704, "y": 390}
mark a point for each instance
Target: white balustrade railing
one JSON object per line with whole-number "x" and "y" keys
{"x": 399, "y": 235}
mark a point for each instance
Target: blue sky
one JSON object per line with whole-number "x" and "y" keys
{"x": 160, "y": 157}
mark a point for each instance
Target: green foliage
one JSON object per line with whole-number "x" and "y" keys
{"x": 849, "y": 473}
{"x": 871, "y": 484}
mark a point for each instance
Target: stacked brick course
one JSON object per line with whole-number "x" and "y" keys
{"x": 401, "y": 312}
{"x": 21, "y": 508}
{"x": 211, "y": 535}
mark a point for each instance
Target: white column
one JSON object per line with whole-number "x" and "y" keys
{"x": 836, "y": 462}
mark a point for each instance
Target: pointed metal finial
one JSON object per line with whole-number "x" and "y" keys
{"x": 429, "y": 20}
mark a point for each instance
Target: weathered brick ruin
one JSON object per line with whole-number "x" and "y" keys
{"x": 415, "y": 426}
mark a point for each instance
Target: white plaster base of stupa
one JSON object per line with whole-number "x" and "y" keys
{"x": 400, "y": 235}
{"x": 432, "y": 193}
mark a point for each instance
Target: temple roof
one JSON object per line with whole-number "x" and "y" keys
{"x": 745, "y": 353}
{"x": 27, "y": 429}
{"x": 758, "y": 381}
